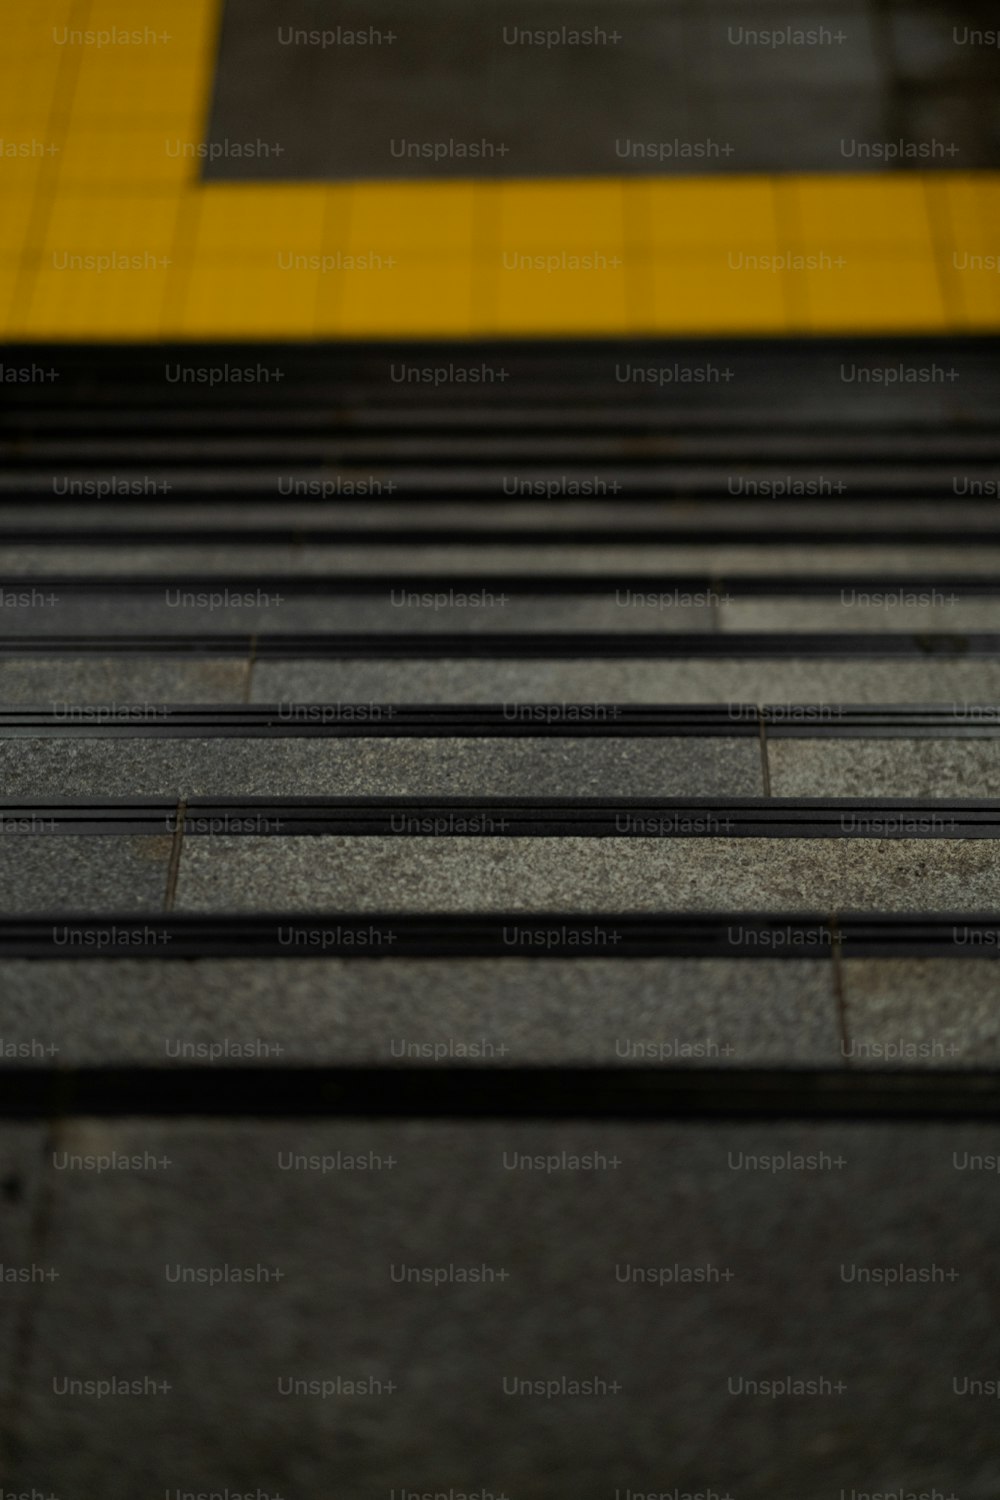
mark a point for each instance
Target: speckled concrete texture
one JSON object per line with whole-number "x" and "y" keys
{"x": 601, "y": 875}
{"x": 756, "y": 1276}
{"x": 885, "y": 606}
{"x": 692, "y": 681}
{"x": 49, "y": 873}
{"x": 718, "y": 558}
{"x": 43, "y": 681}
{"x": 381, "y": 767}
{"x": 680, "y": 1012}
{"x": 457, "y": 607}
{"x": 884, "y": 768}
{"x": 923, "y": 1013}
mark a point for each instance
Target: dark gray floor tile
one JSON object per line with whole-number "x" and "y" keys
{"x": 600, "y": 875}
{"x": 884, "y": 768}
{"x": 48, "y": 873}
{"x": 957, "y": 125}
{"x": 802, "y": 46}
{"x": 341, "y": 111}
{"x": 663, "y": 73}
{"x": 354, "y": 104}
{"x": 697, "y": 1012}
{"x": 405, "y": 767}
{"x": 936, "y": 43}
{"x": 328, "y": 1296}
{"x": 772, "y": 139}
{"x": 922, "y": 1013}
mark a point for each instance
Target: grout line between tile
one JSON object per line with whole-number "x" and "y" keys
{"x": 839, "y": 990}
{"x": 794, "y": 290}
{"x": 46, "y": 188}
{"x": 942, "y": 252}
{"x": 251, "y": 663}
{"x": 765, "y": 768}
{"x": 174, "y": 863}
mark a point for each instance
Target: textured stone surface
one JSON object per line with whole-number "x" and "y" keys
{"x": 779, "y": 1252}
{"x": 121, "y": 680}
{"x": 410, "y": 611}
{"x": 934, "y": 1013}
{"x": 50, "y": 873}
{"x": 612, "y": 875}
{"x": 702, "y": 1012}
{"x": 884, "y": 768}
{"x": 852, "y": 612}
{"x": 570, "y": 556}
{"x": 690, "y": 681}
{"x": 377, "y": 767}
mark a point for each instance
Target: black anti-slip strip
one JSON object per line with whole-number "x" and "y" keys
{"x": 523, "y": 645}
{"x": 632, "y": 590}
{"x": 511, "y": 817}
{"x": 59, "y": 533}
{"x": 443, "y": 448}
{"x": 414, "y": 721}
{"x": 319, "y": 935}
{"x": 546, "y": 416}
{"x": 596, "y": 1094}
{"x": 511, "y": 482}
{"x": 498, "y": 721}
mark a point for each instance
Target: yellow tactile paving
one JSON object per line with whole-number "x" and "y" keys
{"x": 231, "y": 224}
{"x": 895, "y": 293}
{"x": 428, "y": 298}
{"x": 108, "y": 231}
{"x": 703, "y": 294}
{"x": 863, "y": 212}
{"x": 412, "y": 219}
{"x": 691, "y": 214}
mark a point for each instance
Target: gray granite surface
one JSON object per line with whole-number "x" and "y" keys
{"x": 43, "y": 681}
{"x": 640, "y": 1012}
{"x": 919, "y": 1013}
{"x": 44, "y": 873}
{"x": 600, "y": 875}
{"x": 124, "y": 767}
{"x": 629, "y": 681}
{"x": 884, "y": 768}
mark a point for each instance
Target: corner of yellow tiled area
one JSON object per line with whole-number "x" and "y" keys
{"x": 108, "y": 232}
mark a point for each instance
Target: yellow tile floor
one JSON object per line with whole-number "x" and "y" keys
{"x": 108, "y": 232}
